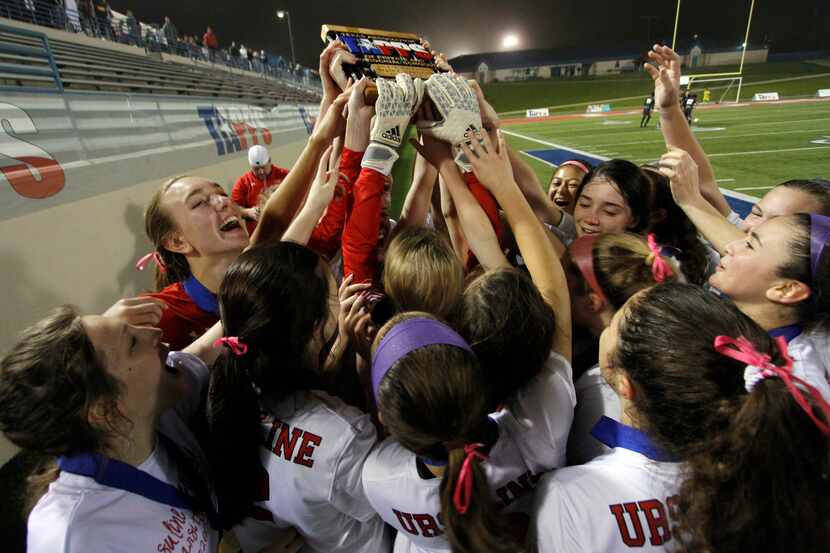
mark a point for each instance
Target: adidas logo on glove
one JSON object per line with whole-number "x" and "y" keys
{"x": 392, "y": 134}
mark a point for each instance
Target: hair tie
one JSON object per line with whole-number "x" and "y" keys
{"x": 659, "y": 268}
{"x": 760, "y": 367}
{"x": 576, "y": 163}
{"x": 463, "y": 493}
{"x": 154, "y": 255}
{"x": 407, "y": 336}
{"x": 819, "y": 233}
{"x": 237, "y": 346}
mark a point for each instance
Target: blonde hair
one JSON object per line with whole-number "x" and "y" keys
{"x": 422, "y": 273}
{"x": 623, "y": 266}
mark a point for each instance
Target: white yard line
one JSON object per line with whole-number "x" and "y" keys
{"x": 552, "y": 144}
{"x": 754, "y": 188}
{"x": 546, "y": 162}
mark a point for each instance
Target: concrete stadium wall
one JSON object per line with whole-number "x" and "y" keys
{"x": 76, "y": 172}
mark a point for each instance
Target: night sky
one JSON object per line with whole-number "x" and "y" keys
{"x": 469, "y": 26}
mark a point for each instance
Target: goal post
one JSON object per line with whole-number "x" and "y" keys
{"x": 734, "y": 78}
{"x": 729, "y": 83}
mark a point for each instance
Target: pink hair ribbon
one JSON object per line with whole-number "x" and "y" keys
{"x": 659, "y": 268}
{"x": 142, "y": 263}
{"x": 760, "y": 367}
{"x": 576, "y": 163}
{"x": 237, "y": 346}
{"x": 464, "y": 487}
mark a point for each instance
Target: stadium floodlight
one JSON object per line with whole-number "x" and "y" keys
{"x": 510, "y": 41}
{"x": 285, "y": 14}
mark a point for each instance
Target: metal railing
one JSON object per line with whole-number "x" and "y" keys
{"x": 29, "y": 53}
{"x": 126, "y": 29}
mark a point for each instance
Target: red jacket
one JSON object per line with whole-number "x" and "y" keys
{"x": 247, "y": 189}
{"x": 182, "y": 321}
{"x": 210, "y": 40}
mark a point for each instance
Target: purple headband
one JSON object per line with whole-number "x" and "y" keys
{"x": 406, "y": 337}
{"x": 819, "y": 233}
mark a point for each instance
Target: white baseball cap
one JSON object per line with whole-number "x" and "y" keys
{"x": 258, "y": 156}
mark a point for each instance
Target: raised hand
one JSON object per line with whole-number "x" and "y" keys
{"x": 355, "y": 319}
{"x": 359, "y": 120}
{"x": 490, "y": 162}
{"x": 457, "y": 103}
{"x": 681, "y": 170}
{"x": 137, "y": 311}
{"x": 434, "y": 151}
{"x": 666, "y": 76}
{"x": 440, "y": 58}
{"x": 332, "y": 123}
{"x": 397, "y": 102}
{"x": 331, "y": 68}
{"x": 324, "y": 186}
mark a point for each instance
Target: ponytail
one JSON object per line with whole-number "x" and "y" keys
{"x": 235, "y": 438}
{"x": 480, "y": 527}
{"x": 760, "y": 484}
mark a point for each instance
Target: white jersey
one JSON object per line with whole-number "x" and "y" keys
{"x": 77, "y": 514}
{"x": 810, "y": 352}
{"x": 565, "y": 231}
{"x": 595, "y": 398}
{"x": 533, "y": 431}
{"x": 541, "y": 413}
{"x": 620, "y": 502}
{"x": 315, "y": 449}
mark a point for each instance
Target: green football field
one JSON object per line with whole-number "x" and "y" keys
{"x": 752, "y": 147}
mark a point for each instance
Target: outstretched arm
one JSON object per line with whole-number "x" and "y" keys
{"x": 682, "y": 172}
{"x": 283, "y": 204}
{"x": 676, "y": 131}
{"x": 492, "y": 166}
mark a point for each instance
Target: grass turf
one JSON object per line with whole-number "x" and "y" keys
{"x": 751, "y": 147}
{"x": 794, "y": 79}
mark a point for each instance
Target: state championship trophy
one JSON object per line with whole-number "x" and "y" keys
{"x": 381, "y": 54}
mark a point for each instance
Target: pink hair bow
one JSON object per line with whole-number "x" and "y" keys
{"x": 142, "y": 263}
{"x": 237, "y": 346}
{"x": 760, "y": 367}
{"x": 659, "y": 268}
{"x": 464, "y": 487}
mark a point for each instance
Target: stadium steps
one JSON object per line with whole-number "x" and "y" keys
{"x": 87, "y": 67}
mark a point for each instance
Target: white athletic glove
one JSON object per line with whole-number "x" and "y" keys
{"x": 397, "y": 102}
{"x": 458, "y": 105}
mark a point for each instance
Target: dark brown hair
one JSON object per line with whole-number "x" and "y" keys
{"x": 813, "y": 312}
{"x": 819, "y": 189}
{"x": 632, "y": 183}
{"x": 510, "y": 328}
{"x": 672, "y": 227}
{"x": 757, "y": 466}
{"x": 430, "y": 400}
{"x": 272, "y": 298}
{"x": 159, "y": 226}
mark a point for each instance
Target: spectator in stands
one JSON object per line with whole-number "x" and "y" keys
{"x": 171, "y": 34}
{"x": 263, "y": 60}
{"x": 211, "y": 43}
{"x": 86, "y": 15}
{"x": 234, "y": 51}
{"x": 243, "y": 56}
{"x": 132, "y": 29}
{"x": 248, "y": 190}
{"x": 250, "y": 56}
{"x": 103, "y": 16}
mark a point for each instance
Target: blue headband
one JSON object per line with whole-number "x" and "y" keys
{"x": 819, "y": 233}
{"x": 406, "y": 337}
